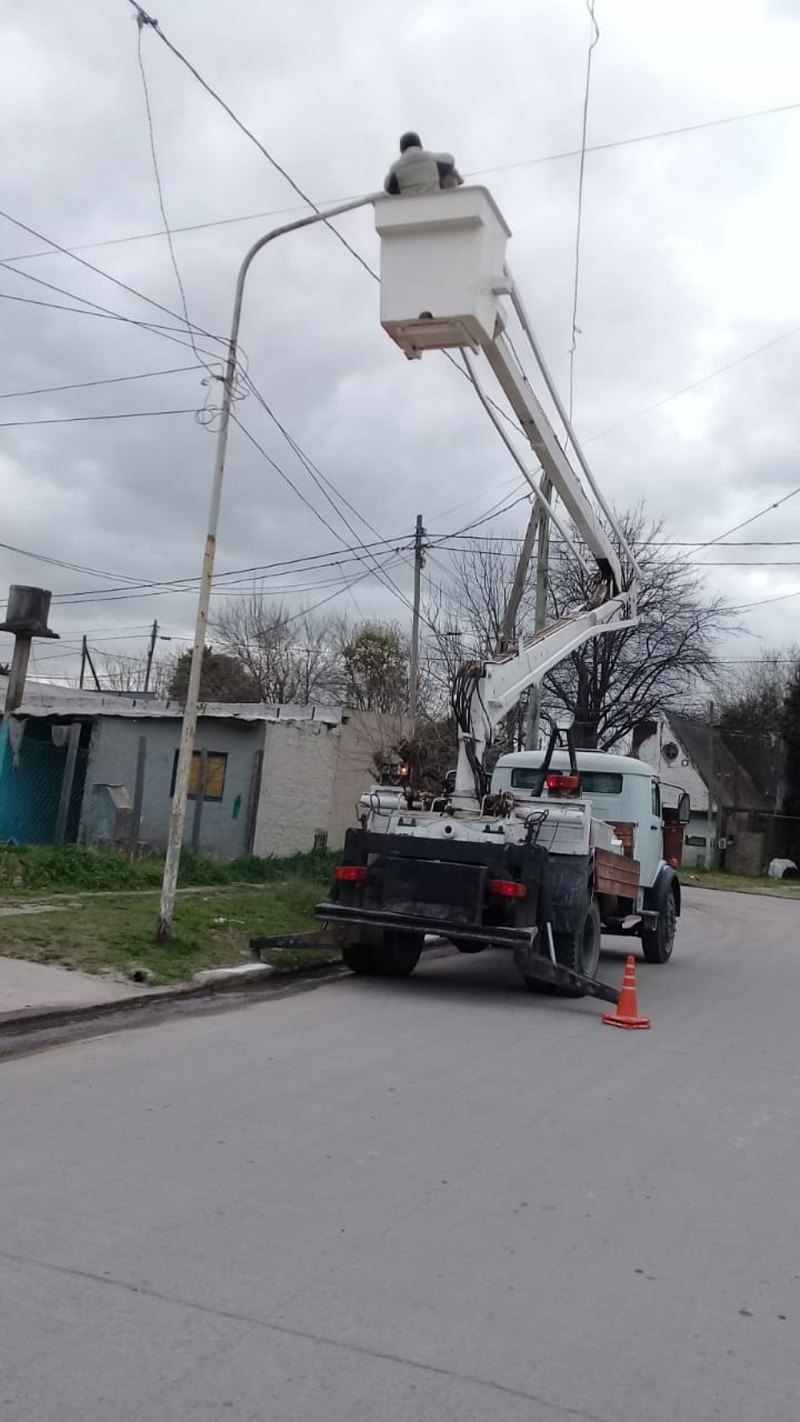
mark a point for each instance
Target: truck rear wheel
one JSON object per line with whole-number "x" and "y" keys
{"x": 578, "y": 950}
{"x": 396, "y": 957}
{"x": 657, "y": 943}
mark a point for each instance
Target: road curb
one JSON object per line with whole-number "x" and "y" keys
{"x": 228, "y": 980}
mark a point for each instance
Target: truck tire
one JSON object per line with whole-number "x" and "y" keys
{"x": 360, "y": 959}
{"x": 396, "y": 957}
{"x": 578, "y": 950}
{"x": 657, "y": 943}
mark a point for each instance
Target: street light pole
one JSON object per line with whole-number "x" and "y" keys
{"x": 189, "y": 727}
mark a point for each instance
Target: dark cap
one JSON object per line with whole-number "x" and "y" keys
{"x": 410, "y": 140}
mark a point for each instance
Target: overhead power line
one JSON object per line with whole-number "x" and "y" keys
{"x": 91, "y": 384}
{"x": 782, "y": 597}
{"x": 695, "y": 384}
{"x": 747, "y": 521}
{"x": 640, "y": 138}
{"x": 90, "y": 419}
{"x": 474, "y": 173}
{"x": 98, "y": 271}
{"x": 306, "y": 563}
{"x": 144, "y": 19}
{"x": 160, "y": 190}
{"x": 590, "y": 4}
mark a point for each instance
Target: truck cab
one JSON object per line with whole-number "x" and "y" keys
{"x": 625, "y": 795}
{"x": 622, "y": 791}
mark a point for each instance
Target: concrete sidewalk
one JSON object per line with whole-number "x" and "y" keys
{"x": 26, "y": 985}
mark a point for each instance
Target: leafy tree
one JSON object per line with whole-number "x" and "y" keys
{"x": 222, "y": 678}
{"x": 375, "y": 668}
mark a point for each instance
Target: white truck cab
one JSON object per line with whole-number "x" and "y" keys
{"x": 622, "y": 791}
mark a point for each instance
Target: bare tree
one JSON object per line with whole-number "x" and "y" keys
{"x": 615, "y": 680}
{"x": 751, "y": 698}
{"x": 290, "y": 658}
{"x": 464, "y": 622}
{"x": 124, "y": 673}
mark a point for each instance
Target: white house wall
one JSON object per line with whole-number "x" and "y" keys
{"x": 296, "y": 786}
{"x": 680, "y": 772}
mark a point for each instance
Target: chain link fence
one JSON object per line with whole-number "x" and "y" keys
{"x": 41, "y": 785}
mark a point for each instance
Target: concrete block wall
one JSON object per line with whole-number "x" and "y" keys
{"x": 112, "y": 761}
{"x": 296, "y": 786}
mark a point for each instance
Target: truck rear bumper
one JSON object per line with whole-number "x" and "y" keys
{"x": 501, "y": 937}
{"x": 521, "y": 940}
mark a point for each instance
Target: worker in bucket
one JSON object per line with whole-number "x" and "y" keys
{"x": 418, "y": 171}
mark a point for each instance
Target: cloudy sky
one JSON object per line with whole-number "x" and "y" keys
{"x": 689, "y": 264}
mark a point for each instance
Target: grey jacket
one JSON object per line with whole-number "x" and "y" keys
{"x": 418, "y": 171}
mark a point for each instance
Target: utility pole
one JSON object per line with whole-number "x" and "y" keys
{"x": 419, "y": 563}
{"x": 86, "y": 657}
{"x": 711, "y": 861}
{"x": 542, "y": 564}
{"x": 150, "y": 652}
{"x": 93, "y": 669}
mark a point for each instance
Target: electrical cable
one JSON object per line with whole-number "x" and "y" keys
{"x": 387, "y": 582}
{"x": 590, "y": 4}
{"x": 746, "y": 522}
{"x": 783, "y": 597}
{"x": 474, "y": 173}
{"x": 90, "y": 384}
{"x": 313, "y": 562}
{"x": 89, "y": 419}
{"x": 155, "y": 328}
{"x": 160, "y": 191}
{"x": 695, "y": 384}
{"x": 538, "y": 495}
{"x": 142, "y": 18}
{"x": 98, "y": 271}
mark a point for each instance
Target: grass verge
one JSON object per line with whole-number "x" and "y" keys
{"x": 211, "y": 930}
{"x": 741, "y": 883}
{"x": 34, "y": 870}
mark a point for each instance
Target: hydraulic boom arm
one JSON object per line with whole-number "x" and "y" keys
{"x": 443, "y": 274}
{"x": 484, "y": 692}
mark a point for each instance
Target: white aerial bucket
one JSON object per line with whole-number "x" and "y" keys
{"x": 442, "y": 268}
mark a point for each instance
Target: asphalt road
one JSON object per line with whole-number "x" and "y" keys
{"x": 438, "y": 1199}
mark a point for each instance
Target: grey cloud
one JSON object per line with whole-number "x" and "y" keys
{"x": 329, "y": 88}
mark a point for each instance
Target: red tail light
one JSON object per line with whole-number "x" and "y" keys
{"x": 563, "y": 784}
{"x": 350, "y": 873}
{"x": 507, "y": 888}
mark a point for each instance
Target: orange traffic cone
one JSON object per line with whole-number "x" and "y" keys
{"x": 627, "y": 1009}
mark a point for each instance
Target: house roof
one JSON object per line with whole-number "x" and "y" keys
{"x": 46, "y": 700}
{"x": 735, "y": 786}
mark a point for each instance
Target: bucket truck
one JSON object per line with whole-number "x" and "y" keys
{"x": 523, "y": 860}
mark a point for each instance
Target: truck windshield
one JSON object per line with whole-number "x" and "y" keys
{"x": 593, "y": 782}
